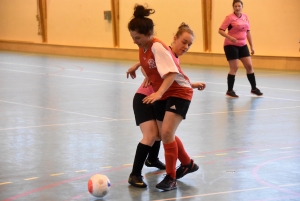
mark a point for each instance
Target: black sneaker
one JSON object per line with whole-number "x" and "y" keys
{"x": 167, "y": 184}
{"x": 183, "y": 170}
{"x": 137, "y": 181}
{"x": 256, "y": 92}
{"x": 231, "y": 94}
{"x": 158, "y": 164}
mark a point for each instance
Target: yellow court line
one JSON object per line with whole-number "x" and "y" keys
{"x": 240, "y": 152}
{"x": 222, "y": 154}
{"x": 56, "y": 174}
{"x": 127, "y": 164}
{"x": 199, "y": 156}
{"x": 81, "y": 171}
{"x": 106, "y": 167}
{"x": 32, "y": 178}
{"x": 5, "y": 183}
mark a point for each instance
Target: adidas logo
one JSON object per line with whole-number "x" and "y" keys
{"x": 173, "y": 107}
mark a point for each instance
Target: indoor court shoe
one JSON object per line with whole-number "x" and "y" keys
{"x": 137, "y": 181}
{"x": 167, "y": 184}
{"x": 158, "y": 164}
{"x": 185, "y": 169}
{"x": 231, "y": 94}
{"x": 256, "y": 92}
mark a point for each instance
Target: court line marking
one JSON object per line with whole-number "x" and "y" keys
{"x": 3, "y": 183}
{"x": 32, "y": 178}
{"x": 47, "y": 108}
{"x": 56, "y": 174}
{"x": 137, "y": 76}
{"x": 68, "y": 76}
{"x": 237, "y": 111}
{"x": 81, "y": 170}
{"x": 129, "y": 119}
{"x": 66, "y": 124}
{"x": 224, "y": 192}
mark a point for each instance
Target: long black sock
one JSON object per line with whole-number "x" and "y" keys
{"x": 153, "y": 153}
{"x": 139, "y": 159}
{"x": 251, "y": 78}
{"x": 230, "y": 81}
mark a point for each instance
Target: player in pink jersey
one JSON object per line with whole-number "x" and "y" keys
{"x": 172, "y": 96}
{"x": 235, "y": 47}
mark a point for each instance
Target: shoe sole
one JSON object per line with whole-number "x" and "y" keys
{"x": 231, "y": 96}
{"x": 256, "y": 94}
{"x": 138, "y": 186}
{"x": 194, "y": 170}
{"x": 167, "y": 189}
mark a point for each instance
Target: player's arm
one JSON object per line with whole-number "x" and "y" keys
{"x": 132, "y": 69}
{"x": 249, "y": 38}
{"x": 168, "y": 80}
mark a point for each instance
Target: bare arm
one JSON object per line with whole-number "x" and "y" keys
{"x": 132, "y": 69}
{"x": 168, "y": 81}
{"x": 198, "y": 85}
{"x": 249, "y": 38}
{"x": 224, "y": 34}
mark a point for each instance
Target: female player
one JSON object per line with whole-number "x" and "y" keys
{"x": 145, "y": 116}
{"x": 172, "y": 93}
{"x": 235, "y": 47}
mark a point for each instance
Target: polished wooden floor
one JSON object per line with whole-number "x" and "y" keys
{"x": 64, "y": 119}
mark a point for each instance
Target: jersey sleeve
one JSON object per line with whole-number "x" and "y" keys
{"x": 225, "y": 23}
{"x": 163, "y": 59}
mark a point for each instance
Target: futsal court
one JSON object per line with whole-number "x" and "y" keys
{"x": 64, "y": 119}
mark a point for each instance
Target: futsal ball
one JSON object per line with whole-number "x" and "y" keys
{"x": 98, "y": 185}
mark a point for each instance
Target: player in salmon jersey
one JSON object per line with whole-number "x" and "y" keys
{"x": 145, "y": 115}
{"x": 235, "y": 47}
{"x": 172, "y": 93}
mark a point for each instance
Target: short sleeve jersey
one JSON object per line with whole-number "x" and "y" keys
{"x": 157, "y": 61}
{"x": 148, "y": 90}
{"x": 237, "y": 28}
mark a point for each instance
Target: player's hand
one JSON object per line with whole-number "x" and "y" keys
{"x": 146, "y": 82}
{"x": 199, "y": 85}
{"x": 131, "y": 71}
{"x": 233, "y": 39}
{"x": 252, "y": 51}
{"x": 151, "y": 98}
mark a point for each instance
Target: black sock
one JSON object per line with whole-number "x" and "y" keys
{"x": 230, "y": 81}
{"x": 251, "y": 78}
{"x": 139, "y": 159}
{"x": 153, "y": 153}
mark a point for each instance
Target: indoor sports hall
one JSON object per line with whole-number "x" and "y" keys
{"x": 66, "y": 104}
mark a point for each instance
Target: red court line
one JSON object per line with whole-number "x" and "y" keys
{"x": 260, "y": 180}
{"x": 58, "y": 183}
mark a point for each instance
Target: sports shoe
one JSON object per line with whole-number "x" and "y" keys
{"x": 158, "y": 164}
{"x": 256, "y": 92}
{"x": 231, "y": 94}
{"x": 167, "y": 184}
{"x": 137, "y": 181}
{"x": 185, "y": 169}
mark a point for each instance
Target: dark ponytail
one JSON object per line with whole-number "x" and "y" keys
{"x": 140, "y": 22}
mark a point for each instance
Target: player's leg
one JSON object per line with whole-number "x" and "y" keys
{"x": 232, "y": 56}
{"x": 247, "y": 62}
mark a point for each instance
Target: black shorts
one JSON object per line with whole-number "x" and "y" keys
{"x": 172, "y": 104}
{"x": 236, "y": 52}
{"x": 142, "y": 112}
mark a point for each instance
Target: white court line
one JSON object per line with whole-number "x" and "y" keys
{"x": 50, "y": 125}
{"x": 142, "y": 76}
{"x": 48, "y": 108}
{"x": 74, "y": 77}
{"x": 124, "y": 74}
{"x": 280, "y": 108}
